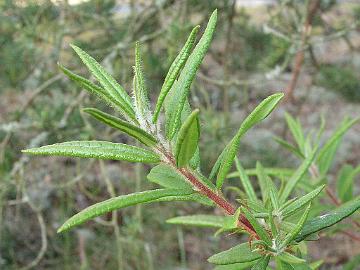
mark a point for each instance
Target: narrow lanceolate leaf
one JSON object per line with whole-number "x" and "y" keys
{"x": 187, "y": 76}
{"x": 238, "y": 254}
{"x": 319, "y": 223}
{"x": 327, "y": 153}
{"x": 263, "y": 181}
{"x": 92, "y": 88}
{"x": 294, "y": 233}
{"x": 289, "y": 147}
{"x": 261, "y": 232}
{"x": 166, "y": 176}
{"x": 142, "y": 104}
{"x": 174, "y": 71}
{"x": 97, "y": 149}
{"x": 296, "y": 177}
{"x": 245, "y": 181}
{"x": 296, "y": 130}
{"x": 345, "y": 183}
{"x": 124, "y": 126}
{"x": 118, "y": 203}
{"x": 298, "y": 203}
{"x": 262, "y": 263}
{"x": 289, "y": 258}
{"x": 108, "y": 83}
{"x": 259, "y": 114}
{"x": 187, "y": 139}
{"x": 199, "y": 221}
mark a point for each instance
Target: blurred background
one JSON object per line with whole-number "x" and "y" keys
{"x": 309, "y": 49}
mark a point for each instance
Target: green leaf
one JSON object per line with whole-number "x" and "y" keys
{"x": 97, "y": 149}
{"x": 319, "y": 223}
{"x": 262, "y": 263}
{"x": 344, "y": 183}
{"x": 94, "y": 89}
{"x": 296, "y": 177}
{"x": 123, "y": 201}
{"x": 289, "y": 147}
{"x": 167, "y": 176}
{"x": 296, "y": 130}
{"x": 298, "y": 203}
{"x": 238, "y": 254}
{"x": 327, "y": 152}
{"x": 289, "y": 258}
{"x": 187, "y": 139}
{"x": 236, "y": 266}
{"x": 273, "y": 194}
{"x": 199, "y": 221}
{"x": 280, "y": 265}
{"x": 245, "y": 181}
{"x": 124, "y": 126}
{"x": 142, "y": 104}
{"x": 257, "y": 226}
{"x": 174, "y": 71}
{"x": 278, "y": 172}
{"x": 257, "y": 115}
{"x": 293, "y": 234}
{"x": 263, "y": 181}
{"x": 108, "y": 83}
{"x": 182, "y": 87}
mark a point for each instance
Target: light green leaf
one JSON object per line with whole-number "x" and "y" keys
{"x": 257, "y": 115}
{"x": 344, "y": 183}
{"x": 199, "y": 221}
{"x": 97, "y": 149}
{"x": 296, "y": 177}
{"x": 123, "y": 201}
{"x": 182, "y": 87}
{"x": 257, "y": 226}
{"x": 262, "y": 263}
{"x": 319, "y": 223}
{"x": 277, "y": 172}
{"x": 124, "y": 126}
{"x": 167, "y": 176}
{"x": 296, "y": 130}
{"x": 142, "y": 104}
{"x": 108, "y": 83}
{"x": 293, "y": 234}
{"x": 289, "y": 258}
{"x": 238, "y": 254}
{"x": 174, "y": 71}
{"x": 245, "y": 181}
{"x": 263, "y": 181}
{"x": 289, "y": 147}
{"x": 327, "y": 152}
{"x": 187, "y": 139}
{"x": 298, "y": 203}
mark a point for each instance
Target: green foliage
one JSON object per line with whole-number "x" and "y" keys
{"x": 276, "y": 223}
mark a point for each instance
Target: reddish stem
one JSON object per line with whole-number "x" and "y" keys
{"x": 212, "y": 195}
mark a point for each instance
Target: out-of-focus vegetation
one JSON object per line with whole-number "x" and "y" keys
{"x": 253, "y": 55}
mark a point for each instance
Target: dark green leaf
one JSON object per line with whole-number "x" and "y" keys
{"x": 261, "y": 232}
{"x": 319, "y": 223}
{"x": 298, "y": 203}
{"x": 238, "y": 254}
{"x": 124, "y": 126}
